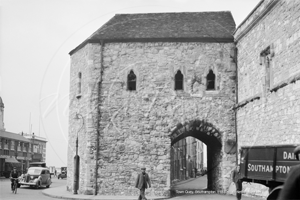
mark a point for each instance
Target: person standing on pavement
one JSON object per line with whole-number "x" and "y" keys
{"x": 291, "y": 187}
{"x": 55, "y": 173}
{"x": 237, "y": 181}
{"x": 142, "y": 182}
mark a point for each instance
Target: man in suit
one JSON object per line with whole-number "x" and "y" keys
{"x": 142, "y": 182}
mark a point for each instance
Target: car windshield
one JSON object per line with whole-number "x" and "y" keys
{"x": 34, "y": 171}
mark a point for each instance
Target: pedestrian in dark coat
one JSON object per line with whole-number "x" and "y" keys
{"x": 237, "y": 181}
{"x": 142, "y": 182}
{"x": 291, "y": 187}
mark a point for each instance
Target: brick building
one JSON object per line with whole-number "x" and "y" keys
{"x": 268, "y": 104}
{"x": 14, "y": 148}
{"x": 142, "y": 82}
{"x": 18, "y": 149}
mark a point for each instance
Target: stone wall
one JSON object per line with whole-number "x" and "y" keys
{"x": 87, "y": 62}
{"x": 269, "y": 115}
{"x": 135, "y": 125}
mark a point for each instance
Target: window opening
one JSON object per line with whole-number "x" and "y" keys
{"x": 79, "y": 85}
{"x": 131, "y": 81}
{"x": 210, "y": 80}
{"x": 178, "y": 80}
{"x": 265, "y": 57}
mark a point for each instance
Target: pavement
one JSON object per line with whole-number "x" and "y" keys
{"x": 62, "y": 193}
{"x": 191, "y": 189}
{"x": 183, "y": 193}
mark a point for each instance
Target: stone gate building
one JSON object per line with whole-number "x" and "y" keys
{"x": 144, "y": 81}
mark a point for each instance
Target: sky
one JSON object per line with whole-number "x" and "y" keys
{"x": 36, "y": 37}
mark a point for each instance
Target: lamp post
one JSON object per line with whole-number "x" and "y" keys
{"x": 76, "y": 157}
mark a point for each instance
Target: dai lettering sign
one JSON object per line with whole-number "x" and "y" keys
{"x": 267, "y": 162}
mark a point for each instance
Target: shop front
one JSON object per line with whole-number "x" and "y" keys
{"x": 9, "y": 163}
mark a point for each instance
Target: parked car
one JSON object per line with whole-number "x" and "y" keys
{"x": 36, "y": 177}
{"x": 62, "y": 175}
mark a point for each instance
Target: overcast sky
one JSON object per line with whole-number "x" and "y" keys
{"x": 35, "y": 39}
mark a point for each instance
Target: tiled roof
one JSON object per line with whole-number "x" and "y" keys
{"x": 14, "y": 136}
{"x": 214, "y": 26}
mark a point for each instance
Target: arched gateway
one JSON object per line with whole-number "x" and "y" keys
{"x": 208, "y": 134}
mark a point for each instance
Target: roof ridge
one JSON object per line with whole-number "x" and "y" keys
{"x": 172, "y": 12}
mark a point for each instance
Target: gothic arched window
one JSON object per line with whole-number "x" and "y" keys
{"x": 178, "y": 80}
{"x": 210, "y": 80}
{"x": 131, "y": 81}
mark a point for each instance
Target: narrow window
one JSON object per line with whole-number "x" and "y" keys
{"x": 210, "y": 80}
{"x": 265, "y": 57}
{"x": 79, "y": 86}
{"x": 178, "y": 80}
{"x": 131, "y": 81}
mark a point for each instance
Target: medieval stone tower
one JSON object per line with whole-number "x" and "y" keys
{"x": 144, "y": 81}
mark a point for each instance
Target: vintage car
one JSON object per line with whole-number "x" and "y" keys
{"x": 62, "y": 175}
{"x": 36, "y": 177}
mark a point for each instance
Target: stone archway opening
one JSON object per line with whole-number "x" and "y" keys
{"x": 211, "y": 137}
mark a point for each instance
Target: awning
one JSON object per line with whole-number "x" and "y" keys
{"x": 11, "y": 160}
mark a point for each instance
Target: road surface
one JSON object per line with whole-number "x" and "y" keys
{"x": 25, "y": 192}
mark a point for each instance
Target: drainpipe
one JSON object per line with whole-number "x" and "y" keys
{"x": 236, "y": 102}
{"x": 98, "y": 115}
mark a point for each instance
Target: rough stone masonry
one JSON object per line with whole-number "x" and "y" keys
{"x": 124, "y": 130}
{"x": 268, "y": 43}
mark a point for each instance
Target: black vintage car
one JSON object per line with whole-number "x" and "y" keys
{"x": 63, "y": 173}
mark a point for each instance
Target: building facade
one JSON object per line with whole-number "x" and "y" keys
{"x": 268, "y": 109}
{"x": 14, "y": 148}
{"x": 178, "y": 157}
{"x": 187, "y": 154}
{"x": 14, "y": 152}
{"x": 38, "y": 147}
{"x": 18, "y": 150}
{"x": 142, "y": 82}
{"x": 201, "y": 155}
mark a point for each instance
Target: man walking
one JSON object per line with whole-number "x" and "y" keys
{"x": 142, "y": 182}
{"x": 237, "y": 181}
